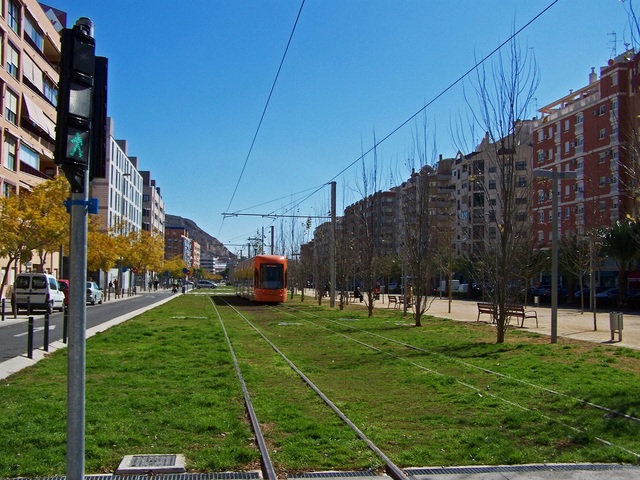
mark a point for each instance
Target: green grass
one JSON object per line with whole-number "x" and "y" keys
{"x": 164, "y": 382}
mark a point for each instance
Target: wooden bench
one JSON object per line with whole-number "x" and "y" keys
{"x": 392, "y": 299}
{"x": 518, "y": 311}
{"x": 489, "y": 308}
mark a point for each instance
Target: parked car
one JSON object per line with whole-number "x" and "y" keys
{"x": 64, "y": 287}
{"x": 206, "y": 284}
{"x": 94, "y": 293}
{"x": 38, "y": 291}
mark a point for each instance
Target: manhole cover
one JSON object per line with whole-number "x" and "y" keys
{"x": 135, "y": 464}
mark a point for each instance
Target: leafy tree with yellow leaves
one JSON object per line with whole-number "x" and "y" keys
{"x": 34, "y": 221}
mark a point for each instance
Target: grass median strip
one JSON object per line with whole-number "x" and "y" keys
{"x": 164, "y": 383}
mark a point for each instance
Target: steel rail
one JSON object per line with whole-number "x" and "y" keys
{"x": 391, "y": 468}
{"x": 267, "y": 466}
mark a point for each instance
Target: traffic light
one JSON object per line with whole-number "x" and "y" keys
{"x": 75, "y": 104}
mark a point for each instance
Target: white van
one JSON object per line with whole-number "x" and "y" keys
{"x": 39, "y": 291}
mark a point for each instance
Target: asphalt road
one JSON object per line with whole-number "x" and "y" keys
{"x": 13, "y": 332}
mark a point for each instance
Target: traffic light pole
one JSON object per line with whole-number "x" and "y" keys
{"x": 76, "y": 365}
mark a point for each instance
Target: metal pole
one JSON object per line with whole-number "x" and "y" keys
{"x": 77, "y": 338}
{"x": 554, "y": 260}
{"x": 332, "y": 248}
{"x": 272, "y": 228}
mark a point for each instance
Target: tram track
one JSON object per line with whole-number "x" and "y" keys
{"x": 481, "y": 392}
{"x": 392, "y": 470}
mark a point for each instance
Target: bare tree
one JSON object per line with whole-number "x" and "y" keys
{"x": 363, "y": 218}
{"x": 501, "y": 179}
{"x": 419, "y": 242}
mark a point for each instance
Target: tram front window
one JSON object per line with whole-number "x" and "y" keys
{"x": 272, "y": 276}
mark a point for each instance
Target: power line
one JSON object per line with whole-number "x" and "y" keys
{"x": 423, "y": 108}
{"x": 264, "y": 110}
{"x": 434, "y": 99}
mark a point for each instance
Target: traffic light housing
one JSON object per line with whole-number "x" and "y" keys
{"x": 98, "y": 164}
{"x": 75, "y": 105}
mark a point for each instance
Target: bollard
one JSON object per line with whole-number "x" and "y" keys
{"x": 65, "y": 319}
{"x": 30, "y": 338}
{"x": 4, "y": 305}
{"x": 29, "y": 305}
{"x": 45, "y": 345}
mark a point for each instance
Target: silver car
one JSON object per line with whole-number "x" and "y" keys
{"x": 94, "y": 293}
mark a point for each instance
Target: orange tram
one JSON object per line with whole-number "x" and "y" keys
{"x": 262, "y": 278}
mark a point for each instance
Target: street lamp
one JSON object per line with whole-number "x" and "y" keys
{"x": 554, "y": 175}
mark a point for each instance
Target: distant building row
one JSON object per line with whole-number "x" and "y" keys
{"x": 593, "y": 131}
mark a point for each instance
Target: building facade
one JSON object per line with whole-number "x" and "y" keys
{"x": 153, "y": 213}
{"x": 593, "y": 132}
{"x": 30, "y": 53}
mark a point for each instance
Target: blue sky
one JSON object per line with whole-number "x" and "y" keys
{"x": 188, "y": 82}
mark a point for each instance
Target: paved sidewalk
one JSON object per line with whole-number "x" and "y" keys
{"x": 571, "y": 323}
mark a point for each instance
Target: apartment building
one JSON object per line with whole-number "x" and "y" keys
{"x": 177, "y": 243}
{"x": 592, "y": 131}
{"x": 119, "y": 194}
{"x": 30, "y": 53}
{"x": 495, "y": 177}
{"x": 153, "y": 213}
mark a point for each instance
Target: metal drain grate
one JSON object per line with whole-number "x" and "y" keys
{"x": 337, "y": 474}
{"x": 519, "y": 468}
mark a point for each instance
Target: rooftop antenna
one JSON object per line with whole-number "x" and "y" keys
{"x": 614, "y": 50}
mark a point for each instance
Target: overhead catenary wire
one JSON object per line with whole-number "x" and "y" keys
{"x": 433, "y": 100}
{"x": 264, "y": 111}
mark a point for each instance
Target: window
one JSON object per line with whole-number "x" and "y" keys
{"x": 13, "y": 16}
{"x": 614, "y": 105}
{"x": 540, "y": 135}
{"x": 603, "y": 110}
{"x": 540, "y": 156}
{"x": 580, "y": 164}
{"x": 603, "y": 133}
{"x": 603, "y": 206}
{"x": 11, "y": 107}
{"x": 567, "y": 190}
{"x": 567, "y": 213}
{"x": 521, "y": 165}
{"x": 579, "y": 141}
{"x": 522, "y": 181}
{"x": 603, "y": 181}
{"x": 492, "y": 184}
{"x": 566, "y": 125}
{"x": 12, "y": 60}
{"x": 32, "y": 32}
{"x": 29, "y": 156}
{"x": 550, "y": 216}
{"x": 614, "y": 79}
{"x": 10, "y": 152}
{"x": 566, "y": 147}
{"x": 550, "y": 154}
{"x": 540, "y": 217}
{"x": 8, "y": 190}
{"x": 540, "y": 236}
{"x": 579, "y": 118}
{"x": 50, "y": 91}
{"x": 603, "y": 157}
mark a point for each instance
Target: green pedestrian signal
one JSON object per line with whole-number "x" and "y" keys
{"x": 77, "y": 145}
